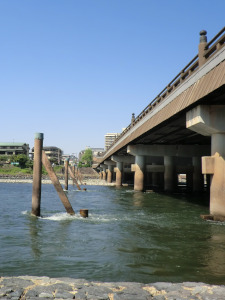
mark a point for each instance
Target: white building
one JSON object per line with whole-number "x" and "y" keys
{"x": 109, "y": 139}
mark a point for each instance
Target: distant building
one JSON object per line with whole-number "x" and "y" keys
{"x": 53, "y": 153}
{"x": 14, "y": 148}
{"x": 72, "y": 158}
{"x": 95, "y": 152}
{"x": 109, "y": 139}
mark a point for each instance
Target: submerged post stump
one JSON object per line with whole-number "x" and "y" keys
{"x": 84, "y": 213}
{"x": 37, "y": 171}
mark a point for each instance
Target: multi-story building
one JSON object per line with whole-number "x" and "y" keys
{"x": 14, "y": 148}
{"x": 53, "y": 153}
{"x": 109, "y": 139}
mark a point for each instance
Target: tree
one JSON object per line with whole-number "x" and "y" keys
{"x": 87, "y": 158}
{"x": 21, "y": 159}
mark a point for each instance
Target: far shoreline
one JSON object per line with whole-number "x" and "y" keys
{"x": 89, "y": 181}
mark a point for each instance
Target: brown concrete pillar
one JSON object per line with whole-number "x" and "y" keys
{"x": 217, "y": 187}
{"x": 198, "y": 178}
{"x": 109, "y": 173}
{"x": 169, "y": 174}
{"x": 119, "y": 173}
{"x": 104, "y": 176}
{"x": 66, "y": 164}
{"x": 209, "y": 120}
{"x": 37, "y": 172}
{"x": 155, "y": 178}
{"x": 139, "y": 173}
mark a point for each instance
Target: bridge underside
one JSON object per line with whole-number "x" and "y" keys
{"x": 173, "y": 131}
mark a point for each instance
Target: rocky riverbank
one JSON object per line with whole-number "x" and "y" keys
{"x": 31, "y": 287}
{"x": 90, "y": 181}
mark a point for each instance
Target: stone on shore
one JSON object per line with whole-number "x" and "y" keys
{"x": 33, "y": 287}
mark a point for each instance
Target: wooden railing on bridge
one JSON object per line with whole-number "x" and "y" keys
{"x": 210, "y": 49}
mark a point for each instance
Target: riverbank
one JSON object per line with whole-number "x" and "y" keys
{"x": 90, "y": 181}
{"x": 32, "y": 287}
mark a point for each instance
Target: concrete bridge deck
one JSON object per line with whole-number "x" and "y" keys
{"x": 181, "y": 131}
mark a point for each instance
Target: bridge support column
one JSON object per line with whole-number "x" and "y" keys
{"x": 109, "y": 173}
{"x": 104, "y": 177}
{"x": 139, "y": 169}
{"x": 110, "y": 164}
{"x": 198, "y": 178}
{"x": 120, "y": 160}
{"x": 209, "y": 120}
{"x": 155, "y": 178}
{"x": 169, "y": 174}
{"x": 119, "y": 173}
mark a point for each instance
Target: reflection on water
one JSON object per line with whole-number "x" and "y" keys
{"x": 129, "y": 236}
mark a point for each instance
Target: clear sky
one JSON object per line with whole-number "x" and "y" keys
{"x": 77, "y": 69}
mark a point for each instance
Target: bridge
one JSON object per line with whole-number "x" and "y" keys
{"x": 181, "y": 131}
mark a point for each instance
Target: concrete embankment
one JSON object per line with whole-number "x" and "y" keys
{"x": 31, "y": 287}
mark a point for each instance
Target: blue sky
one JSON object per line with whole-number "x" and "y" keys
{"x": 77, "y": 69}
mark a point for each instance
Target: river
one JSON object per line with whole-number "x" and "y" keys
{"x": 128, "y": 236}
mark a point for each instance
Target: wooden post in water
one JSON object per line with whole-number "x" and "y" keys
{"x": 74, "y": 179}
{"x": 66, "y": 173}
{"x": 57, "y": 184}
{"x": 37, "y": 172}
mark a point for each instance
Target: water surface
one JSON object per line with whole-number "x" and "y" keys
{"x": 129, "y": 236}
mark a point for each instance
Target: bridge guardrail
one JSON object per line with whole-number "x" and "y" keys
{"x": 210, "y": 49}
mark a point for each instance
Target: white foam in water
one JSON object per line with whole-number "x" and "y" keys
{"x": 64, "y": 216}
{"x": 60, "y": 217}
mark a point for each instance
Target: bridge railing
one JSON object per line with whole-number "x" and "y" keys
{"x": 210, "y": 49}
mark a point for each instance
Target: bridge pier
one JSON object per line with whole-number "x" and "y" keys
{"x": 139, "y": 169}
{"x": 119, "y": 169}
{"x": 170, "y": 179}
{"x": 110, "y": 167}
{"x": 119, "y": 173}
{"x": 198, "y": 178}
{"x": 169, "y": 153}
{"x": 104, "y": 177}
{"x": 109, "y": 173}
{"x": 209, "y": 120}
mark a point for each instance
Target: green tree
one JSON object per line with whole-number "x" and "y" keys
{"x": 87, "y": 158}
{"x": 21, "y": 159}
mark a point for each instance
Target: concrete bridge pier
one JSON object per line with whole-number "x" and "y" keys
{"x": 104, "y": 177}
{"x": 198, "y": 178}
{"x": 100, "y": 174}
{"x": 119, "y": 173}
{"x": 170, "y": 179}
{"x": 110, "y": 165}
{"x": 155, "y": 178}
{"x": 209, "y": 120}
{"x": 109, "y": 173}
{"x": 139, "y": 168}
{"x": 119, "y": 169}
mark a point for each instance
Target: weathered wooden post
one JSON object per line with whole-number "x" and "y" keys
{"x": 74, "y": 179}
{"x": 66, "y": 173}
{"x": 37, "y": 172}
{"x": 57, "y": 185}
